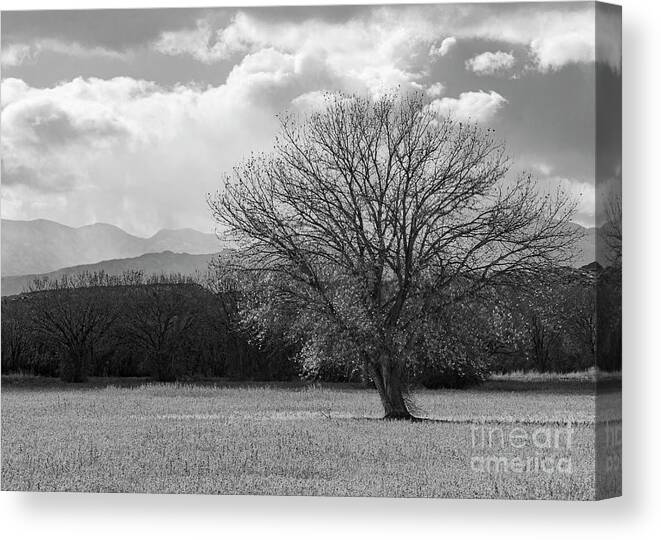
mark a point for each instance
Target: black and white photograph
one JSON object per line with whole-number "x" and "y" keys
{"x": 327, "y": 250}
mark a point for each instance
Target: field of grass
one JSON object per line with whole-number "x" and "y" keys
{"x": 297, "y": 440}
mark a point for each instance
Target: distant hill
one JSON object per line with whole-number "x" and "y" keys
{"x": 592, "y": 247}
{"x": 39, "y": 246}
{"x": 150, "y": 263}
{"x": 585, "y": 250}
{"x": 31, "y": 248}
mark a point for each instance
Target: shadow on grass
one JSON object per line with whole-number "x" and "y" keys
{"x": 469, "y": 421}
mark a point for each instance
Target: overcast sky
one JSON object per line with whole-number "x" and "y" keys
{"x": 131, "y": 117}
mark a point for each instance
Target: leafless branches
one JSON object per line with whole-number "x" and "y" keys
{"x": 394, "y": 199}
{"x": 369, "y": 215}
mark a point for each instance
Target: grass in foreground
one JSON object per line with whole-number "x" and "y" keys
{"x": 288, "y": 441}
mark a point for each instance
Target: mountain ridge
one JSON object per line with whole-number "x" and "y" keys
{"x": 40, "y": 246}
{"x": 166, "y": 262}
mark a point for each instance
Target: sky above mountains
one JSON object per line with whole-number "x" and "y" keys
{"x": 131, "y": 117}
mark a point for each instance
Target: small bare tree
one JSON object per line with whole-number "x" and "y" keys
{"x": 370, "y": 215}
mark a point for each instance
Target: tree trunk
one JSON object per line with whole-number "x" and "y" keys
{"x": 74, "y": 366}
{"x": 387, "y": 376}
{"x": 163, "y": 366}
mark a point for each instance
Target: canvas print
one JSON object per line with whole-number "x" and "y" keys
{"x": 327, "y": 250}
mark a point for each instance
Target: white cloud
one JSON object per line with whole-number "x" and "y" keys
{"x": 553, "y": 52}
{"x": 19, "y": 53}
{"x": 143, "y": 156}
{"x": 543, "y": 168}
{"x": 264, "y": 72}
{"x": 491, "y": 63}
{"x": 436, "y": 90}
{"x": 126, "y": 151}
{"x": 444, "y": 48}
{"x": 310, "y": 101}
{"x": 15, "y": 55}
{"x": 395, "y": 46}
{"x": 121, "y": 149}
{"x": 555, "y": 37}
{"x": 370, "y": 54}
{"x": 470, "y": 106}
{"x": 583, "y": 193}
{"x": 203, "y": 43}
{"x": 12, "y": 89}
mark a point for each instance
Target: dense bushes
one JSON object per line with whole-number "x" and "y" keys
{"x": 548, "y": 325}
{"x": 322, "y": 363}
{"x": 454, "y": 351}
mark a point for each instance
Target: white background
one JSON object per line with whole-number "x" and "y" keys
{"x": 637, "y": 514}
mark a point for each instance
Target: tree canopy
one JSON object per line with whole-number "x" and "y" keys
{"x": 370, "y": 217}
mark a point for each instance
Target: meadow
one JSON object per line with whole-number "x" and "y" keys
{"x": 221, "y": 438}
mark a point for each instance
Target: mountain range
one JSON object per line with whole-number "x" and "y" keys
{"x": 41, "y": 246}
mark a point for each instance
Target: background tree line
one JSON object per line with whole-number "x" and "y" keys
{"x": 222, "y": 325}
{"x": 167, "y": 327}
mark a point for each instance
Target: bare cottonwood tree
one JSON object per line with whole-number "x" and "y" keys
{"x": 370, "y": 215}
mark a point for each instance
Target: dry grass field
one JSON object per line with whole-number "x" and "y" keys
{"x": 298, "y": 440}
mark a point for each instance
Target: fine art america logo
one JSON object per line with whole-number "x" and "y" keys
{"x": 521, "y": 450}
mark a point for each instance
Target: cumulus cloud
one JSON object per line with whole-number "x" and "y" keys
{"x": 543, "y": 168}
{"x": 202, "y": 43}
{"x": 263, "y": 73}
{"x": 491, "y": 63}
{"x": 12, "y": 89}
{"x": 310, "y": 101}
{"x": 371, "y": 54}
{"x": 443, "y": 48}
{"x": 436, "y": 90}
{"x": 577, "y": 190}
{"x": 385, "y": 38}
{"x": 120, "y": 150}
{"x": 470, "y": 106}
{"x": 125, "y": 151}
{"x": 555, "y": 37}
{"x": 556, "y": 51}
{"x": 16, "y": 54}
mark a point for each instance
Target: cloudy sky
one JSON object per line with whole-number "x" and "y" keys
{"x": 131, "y": 117}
